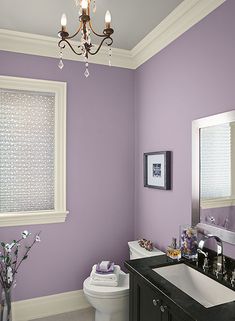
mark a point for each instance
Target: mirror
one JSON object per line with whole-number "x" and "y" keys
{"x": 213, "y": 160}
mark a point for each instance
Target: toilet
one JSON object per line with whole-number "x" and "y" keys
{"x": 112, "y": 303}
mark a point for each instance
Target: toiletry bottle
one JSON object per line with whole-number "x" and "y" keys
{"x": 173, "y": 251}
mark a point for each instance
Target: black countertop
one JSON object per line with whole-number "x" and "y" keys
{"x": 195, "y": 311}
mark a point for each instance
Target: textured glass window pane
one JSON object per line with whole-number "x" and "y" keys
{"x": 215, "y": 161}
{"x": 27, "y": 127}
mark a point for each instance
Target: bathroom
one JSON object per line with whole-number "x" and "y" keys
{"x": 114, "y": 117}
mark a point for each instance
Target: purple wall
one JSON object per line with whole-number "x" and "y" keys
{"x": 100, "y": 156}
{"x": 191, "y": 78}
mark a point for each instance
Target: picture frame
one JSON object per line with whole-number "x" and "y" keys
{"x": 157, "y": 170}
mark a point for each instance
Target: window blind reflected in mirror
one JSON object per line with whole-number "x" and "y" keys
{"x": 215, "y": 161}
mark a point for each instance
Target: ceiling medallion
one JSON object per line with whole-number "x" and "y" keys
{"x": 85, "y": 29}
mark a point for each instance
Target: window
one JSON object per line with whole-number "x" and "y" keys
{"x": 32, "y": 151}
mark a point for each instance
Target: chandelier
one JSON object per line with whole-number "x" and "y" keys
{"x": 85, "y": 29}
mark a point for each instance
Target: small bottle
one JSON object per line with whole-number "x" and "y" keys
{"x": 173, "y": 251}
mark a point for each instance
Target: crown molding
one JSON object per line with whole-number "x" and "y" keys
{"x": 47, "y": 47}
{"x": 186, "y": 15}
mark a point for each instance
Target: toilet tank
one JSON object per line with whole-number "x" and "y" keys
{"x": 137, "y": 252}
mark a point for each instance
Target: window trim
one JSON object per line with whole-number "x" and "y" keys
{"x": 217, "y": 202}
{"x": 59, "y": 214}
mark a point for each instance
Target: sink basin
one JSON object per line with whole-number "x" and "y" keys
{"x": 201, "y": 288}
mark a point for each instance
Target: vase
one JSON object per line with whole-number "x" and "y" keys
{"x": 188, "y": 242}
{"x": 6, "y": 314}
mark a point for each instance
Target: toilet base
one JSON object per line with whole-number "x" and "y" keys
{"x": 119, "y": 316}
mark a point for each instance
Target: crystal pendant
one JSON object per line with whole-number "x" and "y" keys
{"x": 94, "y": 6}
{"x": 86, "y": 73}
{"x": 110, "y": 56}
{"x": 61, "y": 64}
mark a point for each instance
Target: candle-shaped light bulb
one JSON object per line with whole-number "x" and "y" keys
{"x": 63, "y": 20}
{"x": 84, "y": 4}
{"x": 108, "y": 18}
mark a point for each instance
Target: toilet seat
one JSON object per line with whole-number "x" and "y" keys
{"x": 108, "y": 291}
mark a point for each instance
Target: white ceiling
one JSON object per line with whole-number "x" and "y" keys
{"x": 131, "y": 19}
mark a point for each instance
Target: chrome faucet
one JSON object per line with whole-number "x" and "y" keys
{"x": 205, "y": 266}
{"x": 210, "y": 219}
{"x": 220, "y": 266}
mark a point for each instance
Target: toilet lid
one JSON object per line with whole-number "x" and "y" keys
{"x": 108, "y": 291}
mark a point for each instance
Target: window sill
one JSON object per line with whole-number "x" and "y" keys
{"x": 32, "y": 218}
{"x": 217, "y": 202}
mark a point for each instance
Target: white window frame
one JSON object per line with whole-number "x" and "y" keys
{"x": 59, "y": 214}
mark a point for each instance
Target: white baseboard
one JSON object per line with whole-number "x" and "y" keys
{"x": 27, "y": 310}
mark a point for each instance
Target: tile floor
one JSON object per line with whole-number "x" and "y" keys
{"x": 82, "y": 315}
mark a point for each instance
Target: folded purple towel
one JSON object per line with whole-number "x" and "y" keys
{"x": 109, "y": 270}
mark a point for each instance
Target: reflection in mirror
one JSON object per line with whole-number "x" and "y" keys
{"x": 213, "y": 175}
{"x": 217, "y": 169}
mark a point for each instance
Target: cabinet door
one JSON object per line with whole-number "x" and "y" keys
{"x": 149, "y": 304}
{"x": 173, "y": 318}
{"x": 173, "y": 314}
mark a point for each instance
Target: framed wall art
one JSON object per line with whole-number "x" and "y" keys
{"x": 157, "y": 170}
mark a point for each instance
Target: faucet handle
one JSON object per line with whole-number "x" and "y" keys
{"x": 218, "y": 271}
{"x": 205, "y": 264}
{"x": 202, "y": 252}
{"x": 233, "y": 279}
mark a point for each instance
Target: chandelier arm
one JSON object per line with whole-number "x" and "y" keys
{"x": 111, "y": 41}
{"x": 62, "y": 47}
{"x": 97, "y": 34}
{"x": 79, "y": 29}
{"x": 98, "y": 49}
{"x": 59, "y": 44}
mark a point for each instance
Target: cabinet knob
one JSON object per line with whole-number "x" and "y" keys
{"x": 156, "y": 302}
{"x": 163, "y": 308}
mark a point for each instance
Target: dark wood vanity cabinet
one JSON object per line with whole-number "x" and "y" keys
{"x": 148, "y": 304}
{"x": 154, "y": 298}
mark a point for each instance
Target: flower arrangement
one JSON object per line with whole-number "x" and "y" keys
{"x": 189, "y": 242}
{"x": 12, "y": 256}
{"x": 11, "y": 260}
